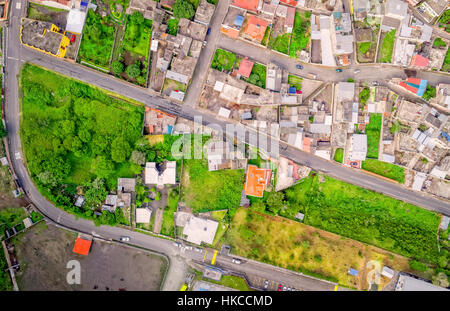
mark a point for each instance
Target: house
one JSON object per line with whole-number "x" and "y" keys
{"x": 345, "y": 91}
{"x": 273, "y": 78}
{"x": 126, "y": 184}
{"x": 220, "y": 156}
{"x": 82, "y": 245}
{"x": 257, "y": 181}
{"x": 431, "y": 9}
{"x": 80, "y": 201}
{"x": 160, "y": 173}
{"x": 199, "y": 230}
{"x": 168, "y": 4}
{"x": 408, "y": 283}
{"x": 143, "y": 215}
{"x": 358, "y": 149}
{"x": 387, "y": 272}
{"x": 245, "y": 67}
{"x": 255, "y": 28}
{"x": 396, "y": 9}
{"x": 157, "y": 122}
{"x": 250, "y": 5}
{"x": 204, "y": 13}
{"x": 415, "y": 86}
{"x": 75, "y": 21}
{"x": 419, "y": 61}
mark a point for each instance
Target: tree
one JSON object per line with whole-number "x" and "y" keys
{"x": 137, "y": 18}
{"x": 96, "y": 192}
{"x": 133, "y": 70}
{"x": 275, "y": 202}
{"x": 120, "y": 149}
{"x": 138, "y": 157}
{"x": 183, "y": 9}
{"x": 440, "y": 279}
{"x": 105, "y": 167}
{"x": 117, "y": 67}
{"x": 429, "y": 93}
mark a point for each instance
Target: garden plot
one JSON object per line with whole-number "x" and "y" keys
{"x": 48, "y": 14}
{"x": 386, "y": 48}
{"x": 279, "y": 39}
{"x": 97, "y": 43}
{"x": 133, "y": 53}
{"x": 366, "y": 42}
{"x": 301, "y": 34}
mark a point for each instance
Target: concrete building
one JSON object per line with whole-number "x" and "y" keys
{"x": 199, "y": 230}
{"x": 160, "y": 173}
{"x": 396, "y": 9}
{"x": 143, "y": 215}
{"x": 358, "y": 150}
{"x": 408, "y": 283}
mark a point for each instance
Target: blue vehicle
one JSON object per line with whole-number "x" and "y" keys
{"x": 299, "y": 66}
{"x": 209, "y": 30}
{"x": 339, "y": 70}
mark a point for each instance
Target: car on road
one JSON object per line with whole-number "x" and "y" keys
{"x": 266, "y": 284}
{"x": 125, "y": 238}
{"x": 280, "y": 288}
{"x": 299, "y": 66}
{"x": 198, "y": 249}
{"x": 209, "y": 31}
{"x": 293, "y": 289}
{"x": 188, "y": 247}
{"x": 288, "y": 289}
{"x": 284, "y": 288}
{"x": 357, "y": 71}
{"x": 236, "y": 261}
{"x": 312, "y": 75}
{"x": 375, "y": 83}
{"x": 339, "y": 70}
{"x": 177, "y": 244}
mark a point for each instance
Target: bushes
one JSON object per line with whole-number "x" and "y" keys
{"x": 258, "y": 76}
{"x": 339, "y": 155}
{"x": 223, "y": 60}
{"x": 117, "y": 67}
{"x": 417, "y": 265}
{"x": 172, "y": 26}
{"x": 364, "y": 95}
{"x": 430, "y": 93}
{"x": 438, "y": 42}
{"x": 183, "y": 9}
{"x": 364, "y": 47}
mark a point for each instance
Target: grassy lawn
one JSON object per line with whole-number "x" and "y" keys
{"x": 137, "y": 37}
{"x": 167, "y": 227}
{"x": 295, "y": 81}
{"x": 301, "y": 33}
{"x": 98, "y": 37}
{"x": 385, "y": 169}
{"x": 205, "y": 191}
{"x": 339, "y": 155}
{"x": 370, "y": 217}
{"x": 299, "y": 247}
{"x": 75, "y": 135}
{"x": 364, "y": 47}
{"x": 223, "y": 60}
{"x": 230, "y": 281}
{"x": 174, "y": 85}
{"x": 258, "y": 76}
{"x": 35, "y": 12}
{"x": 438, "y": 42}
{"x": 387, "y": 47}
{"x": 446, "y": 65}
{"x": 172, "y": 26}
{"x": 373, "y": 130}
{"x": 266, "y": 36}
{"x": 280, "y": 43}
{"x": 5, "y": 280}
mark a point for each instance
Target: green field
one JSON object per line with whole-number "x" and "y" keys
{"x": 168, "y": 224}
{"x": 98, "y": 38}
{"x": 385, "y": 169}
{"x": 258, "y": 75}
{"x": 301, "y": 33}
{"x": 373, "y": 130}
{"x": 295, "y": 81}
{"x": 204, "y": 191}
{"x": 76, "y": 135}
{"x": 172, "y": 26}
{"x": 339, "y": 155}
{"x": 446, "y": 64}
{"x": 387, "y": 47}
{"x": 223, "y": 60}
{"x": 137, "y": 36}
{"x": 280, "y": 43}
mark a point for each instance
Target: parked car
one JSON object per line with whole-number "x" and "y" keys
{"x": 354, "y": 163}
{"x": 299, "y": 66}
{"x": 188, "y": 247}
{"x": 125, "y": 238}
{"x": 357, "y": 71}
{"x": 292, "y": 289}
{"x": 339, "y": 70}
{"x": 72, "y": 39}
{"x": 177, "y": 244}
{"x": 266, "y": 284}
{"x": 375, "y": 83}
{"x": 209, "y": 31}
{"x": 198, "y": 249}
{"x": 284, "y": 288}
{"x": 288, "y": 289}
{"x": 236, "y": 261}
{"x": 280, "y": 288}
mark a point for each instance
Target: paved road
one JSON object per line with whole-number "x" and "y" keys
{"x": 16, "y": 55}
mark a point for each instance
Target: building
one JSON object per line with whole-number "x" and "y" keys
{"x": 82, "y": 245}
{"x": 396, "y": 9}
{"x": 257, "y": 181}
{"x": 255, "y": 28}
{"x": 157, "y": 122}
{"x": 345, "y": 91}
{"x": 204, "y": 13}
{"x": 160, "y": 173}
{"x": 387, "y": 272}
{"x": 199, "y": 230}
{"x": 59, "y": 4}
{"x": 75, "y": 21}
{"x": 358, "y": 150}
{"x": 408, "y": 283}
{"x": 143, "y": 215}
{"x": 126, "y": 184}
{"x": 245, "y": 67}
{"x": 274, "y": 78}
{"x": 250, "y": 5}
{"x": 415, "y": 86}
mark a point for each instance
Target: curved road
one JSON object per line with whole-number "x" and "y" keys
{"x": 16, "y": 55}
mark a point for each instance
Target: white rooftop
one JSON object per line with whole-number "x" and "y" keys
{"x": 143, "y": 216}
{"x": 156, "y": 177}
{"x": 198, "y": 230}
{"x": 75, "y": 21}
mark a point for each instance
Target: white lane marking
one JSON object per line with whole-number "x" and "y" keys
{"x": 16, "y": 59}
{"x": 18, "y": 5}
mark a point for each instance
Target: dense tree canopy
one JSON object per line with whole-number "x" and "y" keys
{"x": 183, "y": 9}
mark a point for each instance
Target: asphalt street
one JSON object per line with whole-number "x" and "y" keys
{"x": 16, "y": 55}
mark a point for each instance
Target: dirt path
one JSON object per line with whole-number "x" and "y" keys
{"x": 158, "y": 220}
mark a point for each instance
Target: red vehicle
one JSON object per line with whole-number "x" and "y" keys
{"x": 280, "y": 288}
{"x": 72, "y": 39}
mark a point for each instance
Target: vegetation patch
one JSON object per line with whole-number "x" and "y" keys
{"x": 258, "y": 75}
{"x": 168, "y": 224}
{"x": 385, "y": 169}
{"x": 373, "y": 130}
{"x": 280, "y": 43}
{"x": 223, "y": 60}
{"x": 295, "y": 81}
{"x": 387, "y": 47}
{"x": 172, "y": 26}
{"x": 446, "y": 64}
{"x": 430, "y": 92}
{"x": 98, "y": 38}
{"x": 77, "y": 138}
{"x": 339, "y": 155}
{"x": 300, "y": 33}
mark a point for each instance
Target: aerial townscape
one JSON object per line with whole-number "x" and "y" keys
{"x": 225, "y": 145}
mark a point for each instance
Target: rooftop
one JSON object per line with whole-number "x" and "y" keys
{"x": 82, "y": 246}
{"x": 198, "y": 230}
{"x": 251, "y": 5}
{"x": 256, "y": 181}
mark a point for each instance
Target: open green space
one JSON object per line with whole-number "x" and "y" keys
{"x": 42, "y": 12}
{"x": 280, "y": 43}
{"x": 5, "y": 280}
{"x": 223, "y": 60}
{"x": 266, "y": 36}
{"x": 258, "y": 75}
{"x": 205, "y": 191}
{"x": 138, "y": 34}
{"x": 98, "y": 38}
{"x": 118, "y": 8}
{"x": 444, "y": 21}
{"x": 387, "y": 47}
{"x": 385, "y": 169}
{"x": 300, "y": 33}
{"x": 295, "y": 81}
{"x": 75, "y": 135}
{"x": 168, "y": 224}
{"x": 172, "y": 26}
{"x": 373, "y": 130}
{"x": 438, "y": 42}
{"x": 446, "y": 64}
{"x": 230, "y": 281}
{"x": 339, "y": 155}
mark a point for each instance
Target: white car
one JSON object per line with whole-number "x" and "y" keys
{"x": 188, "y": 247}
{"x": 197, "y": 249}
{"x": 236, "y": 261}
{"x": 125, "y": 239}
{"x": 357, "y": 71}
{"x": 177, "y": 244}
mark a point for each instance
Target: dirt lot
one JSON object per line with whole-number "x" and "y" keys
{"x": 44, "y": 251}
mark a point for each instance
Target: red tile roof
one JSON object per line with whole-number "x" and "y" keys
{"x": 419, "y": 61}
{"x": 245, "y": 67}
{"x": 257, "y": 180}
{"x": 256, "y": 27}
{"x": 290, "y": 2}
{"x": 251, "y": 5}
{"x": 82, "y": 246}
{"x": 230, "y": 32}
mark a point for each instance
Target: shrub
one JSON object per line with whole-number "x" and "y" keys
{"x": 183, "y": 9}
{"x": 133, "y": 70}
{"x": 117, "y": 67}
{"x": 417, "y": 265}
